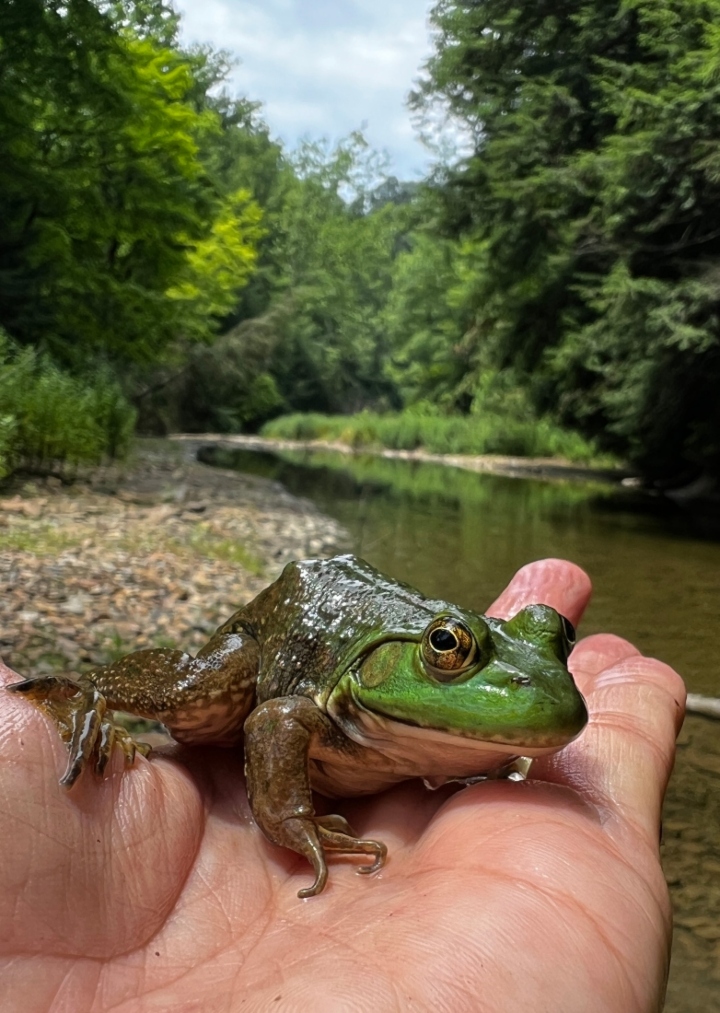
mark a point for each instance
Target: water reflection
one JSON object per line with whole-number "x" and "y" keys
{"x": 460, "y": 535}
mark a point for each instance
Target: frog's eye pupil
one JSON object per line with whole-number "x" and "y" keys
{"x": 443, "y": 640}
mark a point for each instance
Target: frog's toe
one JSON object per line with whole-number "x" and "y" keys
{"x": 87, "y": 723}
{"x": 58, "y": 697}
{"x": 380, "y": 851}
{"x": 45, "y": 688}
{"x": 336, "y": 835}
{"x": 79, "y": 712}
{"x": 335, "y": 823}
{"x": 111, "y": 735}
{"x": 302, "y": 836}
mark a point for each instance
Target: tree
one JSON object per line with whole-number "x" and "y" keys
{"x": 424, "y": 320}
{"x": 104, "y": 197}
{"x": 334, "y": 257}
{"x": 592, "y": 198}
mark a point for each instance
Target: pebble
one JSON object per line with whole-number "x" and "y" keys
{"x": 168, "y": 555}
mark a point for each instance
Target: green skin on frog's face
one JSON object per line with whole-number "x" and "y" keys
{"x": 475, "y": 677}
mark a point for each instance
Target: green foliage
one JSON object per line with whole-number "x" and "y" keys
{"x": 107, "y": 207}
{"x": 309, "y": 330}
{"x": 438, "y": 434}
{"x": 42, "y": 539}
{"x": 424, "y": 330}
{"x": 8, "y": 426}
{"x": 52, "y": 420}
{"x": 334, "y": 262}
{"x": 591, "y": 201}
{"x": 655, "y": 367}
{"x": 154, "y": 19}
{"x": 564, "y": 276}
{"x": 222, "y": 387}
{"x": 219, "y": 265}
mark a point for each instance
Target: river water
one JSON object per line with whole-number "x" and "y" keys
{"x": 460, "y": 535}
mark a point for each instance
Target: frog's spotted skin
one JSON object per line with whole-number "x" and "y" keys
{"x": 342, "y": 680}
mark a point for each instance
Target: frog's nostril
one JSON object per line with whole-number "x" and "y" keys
{"x": 521, "y": 680}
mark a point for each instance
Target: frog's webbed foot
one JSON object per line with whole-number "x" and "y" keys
{"x": 79, "y": 712}
{"x": 278, "y": 736}
{"x": 314, "y": 835}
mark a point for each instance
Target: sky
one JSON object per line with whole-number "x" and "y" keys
{"x": 322, "y": 68}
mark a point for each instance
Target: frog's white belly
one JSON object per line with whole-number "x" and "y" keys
{"x": 394, "y": 751}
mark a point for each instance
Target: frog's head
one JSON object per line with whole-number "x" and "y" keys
{"x": 468, "y": 676}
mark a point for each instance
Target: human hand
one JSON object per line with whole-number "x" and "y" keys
{"x": 154, "y": 890}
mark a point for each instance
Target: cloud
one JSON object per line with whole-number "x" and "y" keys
{"x": 324, "y": 67}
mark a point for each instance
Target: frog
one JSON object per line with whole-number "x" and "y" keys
{"x": 339, "y": 680}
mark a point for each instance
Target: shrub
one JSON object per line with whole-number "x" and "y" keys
{"x": 52, "y": 420}
{"x": 488, "y": 432}
{"x": 7, "y": 432}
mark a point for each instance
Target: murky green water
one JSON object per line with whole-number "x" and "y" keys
{"x": 460, "y": 536}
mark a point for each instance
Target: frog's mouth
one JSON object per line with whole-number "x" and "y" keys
{"x": 416, "y": 750}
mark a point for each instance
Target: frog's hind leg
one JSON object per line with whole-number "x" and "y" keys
{"x": 79, "y": 712}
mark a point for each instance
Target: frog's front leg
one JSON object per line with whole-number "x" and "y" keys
{"x": 79, "y": 712}
{"x": 201, "y": 700}
{"x": 278, "y": 739}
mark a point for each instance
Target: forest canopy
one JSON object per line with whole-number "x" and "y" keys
{"x": 565, "y": 271}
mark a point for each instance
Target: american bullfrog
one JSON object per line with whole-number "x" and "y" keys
{"x": 342, "y": 680}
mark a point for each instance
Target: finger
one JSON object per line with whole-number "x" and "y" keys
{"x": 554, "y": 582}
{"x": 7, "y": 675}
{"x": 596, "y": 653}
{"x": 623, "y": 759}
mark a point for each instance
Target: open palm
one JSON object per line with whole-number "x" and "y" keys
{"x": 153, "y": 890}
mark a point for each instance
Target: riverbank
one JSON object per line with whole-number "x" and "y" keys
{"x": 158, "y": 554}
{"x": 495, "y": 464}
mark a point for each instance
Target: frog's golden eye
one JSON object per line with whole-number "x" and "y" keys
{"x": 448, "y": 648}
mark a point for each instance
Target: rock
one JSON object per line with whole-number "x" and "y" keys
{"x": 27, "y": 617}
{"x": 75, "y": 604}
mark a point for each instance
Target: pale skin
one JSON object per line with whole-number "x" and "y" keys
{"x": 154, "y": 891}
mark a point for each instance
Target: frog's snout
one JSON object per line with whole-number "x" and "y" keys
{"x": 552, "y": 705}
{"x": 575, "y": 717}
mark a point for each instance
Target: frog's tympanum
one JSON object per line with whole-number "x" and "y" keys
{"x": 341, "y": 680}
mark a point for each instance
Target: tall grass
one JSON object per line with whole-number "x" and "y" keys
{"x": 50, "y": 420}
{"x": 485, "y": 433}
